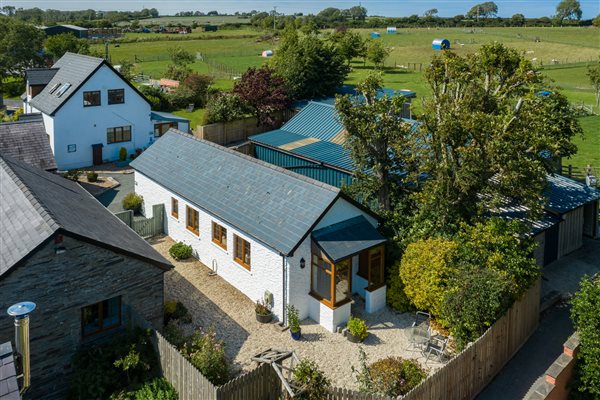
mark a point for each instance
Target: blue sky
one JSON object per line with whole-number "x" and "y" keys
{"x": 392, "y": 8}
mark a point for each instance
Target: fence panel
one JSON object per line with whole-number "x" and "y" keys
{"x": 473, "y": 369}
{"x": 126, "y": 216}
{"x": 261, "y": 383}
{"x": 145, "y": 227}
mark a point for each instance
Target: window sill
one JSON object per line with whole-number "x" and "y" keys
{"x": 328, "y": 303}
{"x": 195, "y": 233}
{"x": 243, "y": 265}
{"x": 219, "y": 245}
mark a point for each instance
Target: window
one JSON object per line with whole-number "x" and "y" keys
{"x": 54, "y": 87}
{"x": 370, "y": 266}
{"x": 91, "y": 99}
{"x": 116, "y": 96}
{"x": 192, "y": 220}
{"x": 219, "y": 235}
{"x": 101, "y": 316}
{"x": 174, "y": 207}
{"x": 63, "y": 89}
{"x": 118, "y": 134}
{"x": 162, "y": 128}
{"x": 331, "y": 283}
{"x": 241, "y": 252}
{"x": 71, "y": 148}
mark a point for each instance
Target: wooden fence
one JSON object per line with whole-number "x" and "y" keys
{"x": 261, "y": 383}
{"x": 227, "y": 133}
{"x": 347, "y": 394}
{"x": 474, "y": 368}
{"x": 145, "y": 227}
{"x": 579, "y": 173}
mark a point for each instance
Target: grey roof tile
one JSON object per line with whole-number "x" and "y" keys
{"x": 35, "y": 204}
{"x": 40, "y": 76}
{"x": 257, "y": 198}
{"x": 27, "y": 141}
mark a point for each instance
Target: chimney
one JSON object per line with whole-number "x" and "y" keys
{"x": 21, "y": 313}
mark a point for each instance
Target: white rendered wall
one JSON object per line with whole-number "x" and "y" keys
{"x": 375, "y": 300}
{"x": 341, "y": 211}
{"x": 266, "y": 263}
{"x": 85, "y": 126}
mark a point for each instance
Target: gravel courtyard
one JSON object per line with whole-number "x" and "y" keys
{"x": 214, "y": 302}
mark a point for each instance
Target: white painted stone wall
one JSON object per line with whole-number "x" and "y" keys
{"x": 341, "y": 211}
{"x": 375, "y": 299}
{"x": 266, "y": 263}
{"x": 84, "y": 126}
{"x": 327, "y": 317}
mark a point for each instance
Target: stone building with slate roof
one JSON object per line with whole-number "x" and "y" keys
{"x": 83, "y": 267}
{"x": 27, "y": 141}
{"x": 266, "y": 230}
{"x": 90, "y": 111}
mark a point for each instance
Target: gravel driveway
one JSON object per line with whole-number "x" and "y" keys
{"x": 214, "y": 302}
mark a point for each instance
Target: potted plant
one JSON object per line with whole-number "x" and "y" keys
{"x": 294, "y": 322}
{"x": 357, "y": 330}
{"x": 264, "y": 315}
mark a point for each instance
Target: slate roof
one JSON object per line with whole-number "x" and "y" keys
{"x": 35, "y": 204}
{"x": 40, "y": 76}
{"x": 9, "y": 387}
{"x": 73, "y": 69}
{"x": 347, "y": 238}
{"x": 275, "y": 206}
{"x": 565, "y": 194}
{"x": 27, "y": 141}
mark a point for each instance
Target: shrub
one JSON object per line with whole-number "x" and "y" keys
{"x": 395, "y": 296}
{"x": 207, "y": 354}
{"x": 156, "y": 389}
{"x": 180, "y": 251}
{"x": 224, "y": 108}
{"x": 92, "y": 177}
{"x": 425, "y": 270}
{"x": 122, "y": 154}
{"x": 586, "y": 320}
{"x": 308, "y": 375}
{"x": 176, "y": 310}
{"x": 293, "y": 318}
{"x": 357, "y": 328}
{"x": 73, "y": 174}
{"x": 174, "y": 334}
{"x": 133, "y": 201}
{"x": 477, "y": 299}
{"x": 395, "y": 376}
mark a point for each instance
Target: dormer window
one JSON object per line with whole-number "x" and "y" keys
{"x": 91, "y": 99}
{"x": 116, "y": 96}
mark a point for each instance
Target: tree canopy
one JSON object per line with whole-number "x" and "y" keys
{"x": 593, "y": 73}
{"x": 483, "y": 10}
{"x": 568, "y": 9}
{"x": 311, "y": 67}
{"x": 57, "y": 45}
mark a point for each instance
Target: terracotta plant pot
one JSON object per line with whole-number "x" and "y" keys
{"x": 296, "y": 335}
{"x": 264, "y": 319}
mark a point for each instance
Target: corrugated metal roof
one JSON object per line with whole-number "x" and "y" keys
{"x": 519, "y": 213}
{"x": 347, "y": 238}
{"x": 320, "y": 152}
{"x": 316, "y": 120}
{"x": 273, "y": 205}
{"x": 565, "y": 194}
{"x": 165, "y": 116}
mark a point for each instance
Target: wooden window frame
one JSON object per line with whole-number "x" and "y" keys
{"x": 174, "y": 207}
{"x": 98, "y": 92}
{"x": 370, "y": 285}
{"x": 333, "y": 304}
{"x": 245, "y": 246}
{"x": 100, "y": 319}
{"x": 217, "y": 234}
{"x": 113, "y": 91}
{"x": 160, "y": 125}
{"x": 189, "y": 227}
{"x": 121, "y": 130}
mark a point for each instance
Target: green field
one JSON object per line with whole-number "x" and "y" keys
{"x": 229, "y": 54}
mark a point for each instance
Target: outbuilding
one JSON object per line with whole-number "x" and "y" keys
{"x": 440, "y": 44}
{"x": 78, "y": 31}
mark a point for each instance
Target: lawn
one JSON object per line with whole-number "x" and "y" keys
{"x": 200, "y": 20}
{"x": 196, "y": 117}
{"x": 588, "y": 146}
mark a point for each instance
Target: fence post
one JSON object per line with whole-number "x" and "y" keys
{"x": 570, "y": 170}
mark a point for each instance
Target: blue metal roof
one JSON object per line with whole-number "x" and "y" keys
{"x": 347, "y": 238}
{"x": 351, "y": 90}
{"x": 565, "y": 194}
{"x": 165, "y": 116}
{"x": 319, "y": 151}
{"x": 275, "y": 206}
{"x": 318, "y": 120}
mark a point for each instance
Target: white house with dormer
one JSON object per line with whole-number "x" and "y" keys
{"x": 90, "y": 111}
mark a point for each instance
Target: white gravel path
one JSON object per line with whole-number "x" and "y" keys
{"x": 214, "y": 302}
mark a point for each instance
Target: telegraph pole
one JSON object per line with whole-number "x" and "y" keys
{"x": 274, "y": 16}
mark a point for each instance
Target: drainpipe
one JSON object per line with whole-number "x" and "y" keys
{"x": 284, "y": 300}
{"x": 21, "y": 313}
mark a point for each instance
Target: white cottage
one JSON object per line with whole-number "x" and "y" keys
{"x": 90, "y": 111}
{"x": 265, "y": 229}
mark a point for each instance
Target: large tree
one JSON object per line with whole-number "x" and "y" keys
{"x": 379, "y": 141}
{"x": 377, "y": 52}
{"x": 349, "y": 44}
{"x": 486, "y": 136}
{"x": 568, "y": 9}
{"x": 20, "y": 48}
{"x": 57, "y": 45}
{"x": 593, "y": 73}
{"x": 483, "y": 10}
{"x": 264, "y": 93}
{"x": 311, "y": 67}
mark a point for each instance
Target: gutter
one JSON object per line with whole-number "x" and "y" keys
{"x": 284, "y": 297}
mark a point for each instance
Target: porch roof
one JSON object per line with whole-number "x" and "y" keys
{"x": 347, "y": 238}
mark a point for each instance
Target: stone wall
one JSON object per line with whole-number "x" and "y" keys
{"x": 60, "y": 285}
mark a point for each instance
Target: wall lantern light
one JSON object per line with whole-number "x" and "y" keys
{"x": 302, "y": 263}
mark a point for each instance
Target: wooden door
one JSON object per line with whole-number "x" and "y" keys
{"x": 97, "y": 153}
